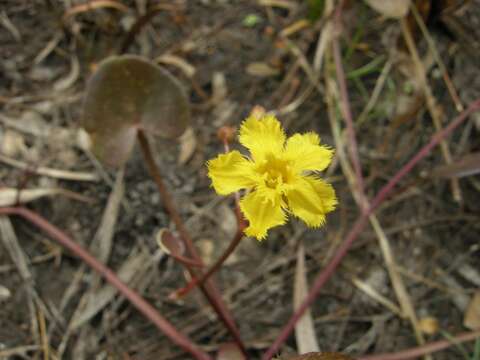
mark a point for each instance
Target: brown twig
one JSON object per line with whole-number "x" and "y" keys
{"x": 346, "y": 111}
{"x": 384, "y": 192}
{"x": 136, "y": 300}
{"x": 141, "y": 22}
{"x": 208, "y": 289}
{"x": 424, "y": 349}
{"x": 94, "y": 4}
{"x": 431, "y": 102}
{"x": 431, "y": 44}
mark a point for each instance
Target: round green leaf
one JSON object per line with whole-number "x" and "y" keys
{"x": 128, "y": 93}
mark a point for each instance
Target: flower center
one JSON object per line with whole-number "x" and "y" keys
{"x": 275, "y": 171}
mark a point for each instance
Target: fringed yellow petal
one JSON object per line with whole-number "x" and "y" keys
{"x": 262, "y": 136}
{"x": 261, "y": 213}
{"x": 311, "y": 199}
{"x": 305, "y": 152}
{"x": 231, "y": 172}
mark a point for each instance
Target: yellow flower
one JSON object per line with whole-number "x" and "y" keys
{"x": 279, "y": 174}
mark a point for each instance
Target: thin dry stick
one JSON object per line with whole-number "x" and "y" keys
{"x": 377, "y": 90}
{"x": 362, "y": 201}
{"x": 425, "y": 349}
{"x": 431, "y": 103}
{"x": 141, "y": 22}
{"x": 208, "y": 289}
{"x": 325, "y": 275}
{"x": 396, "y": 280}
{"x": 137, "y": 301}
{"x": 346, "y": 111}
{"x": 375, "y": 295}
{"x": 431, "y": 44}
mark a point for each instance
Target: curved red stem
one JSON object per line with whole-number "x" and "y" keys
{"x": 208, "y": 289}
{"x": 325, "y": 275}
{"x": 200, "y": 280}
{"x": 135, "y": 299}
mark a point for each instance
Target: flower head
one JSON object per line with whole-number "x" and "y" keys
{"x": 279, "y": 174}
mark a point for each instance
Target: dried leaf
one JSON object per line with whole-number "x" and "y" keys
{"x": 229, "y": 352}
{"x": 390, "y": 8}
{"x": 472, "y": 315}
{"x": 5, "y": 293}
{"x": 467, "y": 165}
{"x": 304, "y": 329}
{"x": 170, "y": 244}
{"x": 261, "y": 69}
{"x": 127, "y": 94}
{"x": 12, "y": 143}
{"x": 428, "y": 325}
{"x": 188, "y": 144}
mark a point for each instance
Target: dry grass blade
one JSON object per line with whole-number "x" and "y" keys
{"x": 325, "y": 37}
{"x": 11, "y": 244}
{"x": 98, "y": 300}
{"x": 284, "y": 4}
{"x": 21, "y": 262}
{"x": 397, "y": 282}
{"x": 470, "y": 273}
{"x": 375, "y": 295}
{"x": 66, "y": 82}
{"x": 43, "y": 334}
{"x": 431, "y": 102}
{"x": 377, "y": 90}
{"x": 304, "y": 329}
{"x": 50, "y": 172}
{"x": 12, "y": 196}
{"x": 431, "y": 44}
{"x": 20, "y": 351}
{"x": 102, "y": 242}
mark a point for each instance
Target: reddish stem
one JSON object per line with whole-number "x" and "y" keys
{"x": 346, "y": 111}
{"x": 208, "y": 288}
{"x": 185, "y": 260}
{"x": 140, "y": 303}
{"x": 325, "y": 275}
{"x": 200, "y": 280}
{"x": 424, "y": 349}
